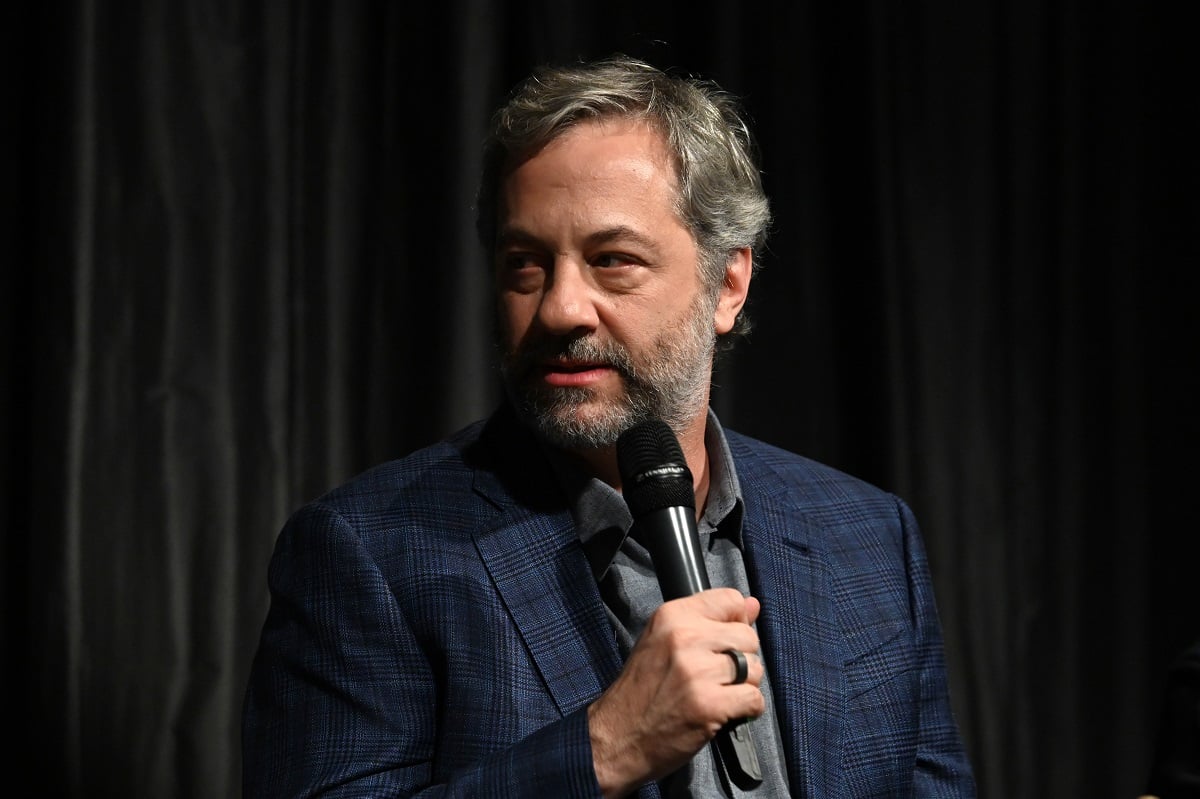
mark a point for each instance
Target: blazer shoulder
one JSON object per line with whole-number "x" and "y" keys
{"x": 432, "y": 471}
{"x": 763, "y": 467}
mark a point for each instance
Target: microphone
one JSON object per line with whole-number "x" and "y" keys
{"x": 657, "y": 485}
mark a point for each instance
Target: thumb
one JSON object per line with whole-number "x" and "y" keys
{"x": 753, "y": 607}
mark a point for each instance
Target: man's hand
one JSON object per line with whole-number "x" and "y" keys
{"x": 674, "y": 693}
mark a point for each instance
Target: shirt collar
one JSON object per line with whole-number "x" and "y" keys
{"x": 602, "y": 518}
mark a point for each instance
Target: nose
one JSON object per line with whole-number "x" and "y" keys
{"x": 568, "y": 303}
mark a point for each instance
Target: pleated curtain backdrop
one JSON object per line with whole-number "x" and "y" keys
{"x": 244, "y": 269}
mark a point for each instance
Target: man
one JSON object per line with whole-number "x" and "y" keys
{"x": 474, "y": 620}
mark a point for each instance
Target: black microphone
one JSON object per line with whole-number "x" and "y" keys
{"x": 657, "y": 485}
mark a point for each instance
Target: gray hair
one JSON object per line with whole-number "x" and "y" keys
{"x": 721, "y": 199}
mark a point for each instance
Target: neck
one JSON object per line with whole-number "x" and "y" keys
{"x": 601, "y": 463}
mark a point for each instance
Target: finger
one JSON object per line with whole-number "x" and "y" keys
{"x": 746, "y": 702}
{"x": 726, "y": 671}
{"x": 741, "y": 666}
{"x": 718, "y": 604}
{"x": 753, "y": 607}
{"x": 713, "y": 620}
{"x": 723, "y": 604}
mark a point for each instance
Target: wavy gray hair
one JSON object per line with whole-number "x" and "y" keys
{"x": 721, "y": 199}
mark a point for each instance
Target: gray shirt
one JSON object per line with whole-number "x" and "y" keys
{"x": 625, "y": 574}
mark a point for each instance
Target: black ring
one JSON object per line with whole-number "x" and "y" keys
{"x": 741, "y": 668}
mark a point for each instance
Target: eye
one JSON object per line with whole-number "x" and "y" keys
{"x": 520, "y": 271}
{"x": 610, "y": 260}
{"x": 512, "y": 261}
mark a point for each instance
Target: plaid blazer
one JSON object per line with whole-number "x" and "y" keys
{"x": 434, "y": 625}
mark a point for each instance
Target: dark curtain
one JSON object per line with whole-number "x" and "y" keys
{"x": 241, "y": 268}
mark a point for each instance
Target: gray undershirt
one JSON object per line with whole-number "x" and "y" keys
{"x": 631, "y": 593}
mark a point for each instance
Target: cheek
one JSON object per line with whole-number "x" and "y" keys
{"x": 514, "y": 314}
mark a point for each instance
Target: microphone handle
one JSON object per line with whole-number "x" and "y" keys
{"x": 674, "y": 546}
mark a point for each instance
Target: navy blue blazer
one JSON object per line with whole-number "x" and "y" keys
{"x": 434, "y": 625}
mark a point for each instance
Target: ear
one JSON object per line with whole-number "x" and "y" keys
{"x": 734, "y": 289}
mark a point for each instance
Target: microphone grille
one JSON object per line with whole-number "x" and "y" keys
{"x": 654, "y": 473}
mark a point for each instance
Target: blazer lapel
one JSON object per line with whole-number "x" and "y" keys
{"x": 543, "y": 578}
{"x": 545, "y": 581}
{"x": 800, "y": 641}
{"x": 534, "y": 556}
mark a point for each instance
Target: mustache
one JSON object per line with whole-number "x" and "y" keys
{"x": 530, "y": 354}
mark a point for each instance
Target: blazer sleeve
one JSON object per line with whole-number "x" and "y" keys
{"x": 942, "y": 767}
{"x": 343, "y": 702}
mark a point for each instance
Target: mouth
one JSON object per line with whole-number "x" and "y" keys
{"x": 564, "y": 373}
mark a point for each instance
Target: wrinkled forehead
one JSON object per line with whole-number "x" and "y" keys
{"x": 614, "y": 125}
{"x": 604, "y": 124}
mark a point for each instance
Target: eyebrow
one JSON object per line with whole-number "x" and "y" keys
{"x": 512, "y": 235}
{"x": 620, "y": 233}
{"x": 508, "y": 236}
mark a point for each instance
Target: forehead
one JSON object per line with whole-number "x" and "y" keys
{"x": 601, "y": 139}
{"x": 602, "y": 163}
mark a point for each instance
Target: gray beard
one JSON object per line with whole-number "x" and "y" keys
{"x": 671, "y": 386}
